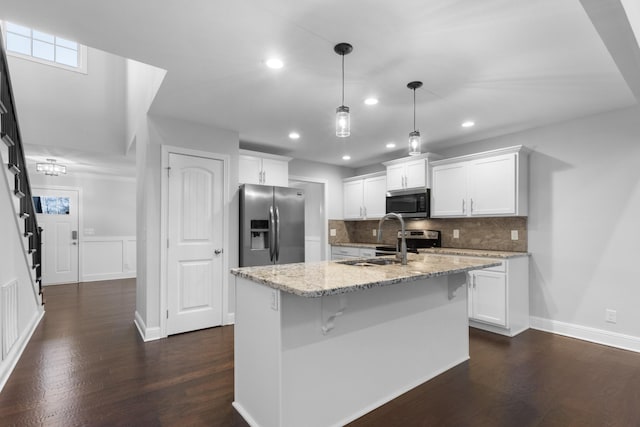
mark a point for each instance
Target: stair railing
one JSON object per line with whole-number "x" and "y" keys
{"x": 10, "y": 135}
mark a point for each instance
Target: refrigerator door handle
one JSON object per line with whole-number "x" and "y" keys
{"x": 277, "y": 234}
{"x": 272, "y": 230}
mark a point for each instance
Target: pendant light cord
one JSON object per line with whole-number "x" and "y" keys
{"x": 342, "y": 79}
{"x": 414, "y": 110}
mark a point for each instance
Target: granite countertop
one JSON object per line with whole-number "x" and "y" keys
{"x": 359, "y": 245}
{"x": 335, "y": 277}
{"x": 447, "y": 251}
{"x": 473, "y": 252}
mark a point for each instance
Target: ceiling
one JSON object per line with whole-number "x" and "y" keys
{"x": 507, "y": 65}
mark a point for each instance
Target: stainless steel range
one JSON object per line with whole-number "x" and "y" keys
{"x": 416, "y": 239}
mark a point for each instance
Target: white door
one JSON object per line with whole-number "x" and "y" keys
{"x": 489, "y": 297}
{"x": 449, "y": 192}
{"x": 57, "y": 214}
{"x": 416, "y": 173}
{"x": 374, "y": 193}
{"x": 194, "y": 255}
{"x": 352, "y": 199}
{"x": 492, "y": 186}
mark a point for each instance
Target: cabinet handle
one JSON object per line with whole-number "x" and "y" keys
{"x": 264, "y": 177}
{"x": 471, "y": 206}
{"x": 365, "y": 211}
{"x": 463, "y": 207}
{"x": 360, "y": 210}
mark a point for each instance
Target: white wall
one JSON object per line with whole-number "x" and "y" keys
{"x": 108, "y": 205}
{"x": 584, "y": 200}
{"x": 334, "y": 176}
{"x": 47, "y": 96}
{"x": 164, "y": 131}
{"x": 143, "y": 82}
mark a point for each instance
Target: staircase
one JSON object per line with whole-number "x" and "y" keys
{"x": 13, "y": 163}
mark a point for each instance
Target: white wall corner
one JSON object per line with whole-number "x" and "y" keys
{"x": 598, "y": 336}
{"x": 147, "y": 334}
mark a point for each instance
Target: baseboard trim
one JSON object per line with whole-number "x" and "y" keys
{"x": 147, "y": 334}
{"x": 229, "y": 319}
{"x": 585, "y": 333}
{"x": 13, "y": 356}
{"x": 108, "y": 276}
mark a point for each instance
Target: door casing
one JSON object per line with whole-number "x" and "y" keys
{"x": 34, "y": 190}
{"x": 164, "y": 214}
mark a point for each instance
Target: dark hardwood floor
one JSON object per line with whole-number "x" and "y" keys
{"x": 87, "y": 366}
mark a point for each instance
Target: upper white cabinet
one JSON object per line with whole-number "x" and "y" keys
{"x": 262, "y": 168}
{"x": 492, "y": 183}
{"x": 364, "y": 196}
{"x": 409, "y": 172}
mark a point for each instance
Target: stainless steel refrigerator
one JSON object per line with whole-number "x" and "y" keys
{"x": 271, "y": 225}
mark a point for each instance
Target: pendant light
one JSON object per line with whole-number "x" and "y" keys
{"x": 414, "y": 137}
{"x": 343, "y": 120}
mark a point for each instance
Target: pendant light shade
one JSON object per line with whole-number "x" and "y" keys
{"x": 414, "y": 137}
{"x": 343, "y": 119}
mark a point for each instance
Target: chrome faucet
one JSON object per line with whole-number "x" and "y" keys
{"x": 402, "y": 255}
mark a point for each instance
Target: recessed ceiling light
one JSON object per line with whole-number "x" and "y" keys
{"x": 371, "y": 101}
{"x": 468, "y": 124}
{"x": 294, "y": 135}
{"x": 391, "y": 145}
{"x": 346, "y": 157}
{"x": 274, "y": 63}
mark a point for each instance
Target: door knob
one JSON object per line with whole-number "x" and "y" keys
{"x": 218, "y": 251}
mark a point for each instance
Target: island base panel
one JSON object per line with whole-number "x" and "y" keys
{"x": 376, "y": 344}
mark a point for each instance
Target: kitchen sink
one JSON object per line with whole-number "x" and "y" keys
{"x": 371, "y": 262}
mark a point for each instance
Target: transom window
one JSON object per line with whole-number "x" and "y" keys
{"x": 43, "y": 47}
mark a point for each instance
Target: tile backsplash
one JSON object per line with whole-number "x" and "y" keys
{"x": 474, "y": 233}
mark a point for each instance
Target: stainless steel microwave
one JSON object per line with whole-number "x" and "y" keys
{"x": 413, "y": 203}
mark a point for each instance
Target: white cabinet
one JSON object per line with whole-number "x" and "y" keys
{"x": 364, "y": 196}
{"x": 488, "y": 297}
{"x": 485, "y": 184}
{"x": 346, "y": 252}
{"x": 261, "y": 168}
{"x": 409, "y": 172}
{"x": 498, "y": 298}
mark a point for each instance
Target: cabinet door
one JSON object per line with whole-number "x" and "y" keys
{"x": 395, "y": 177}
{"x": 489, "y": 300}
{"x": 249, "y": 169}
{"x": 374, "y": 196}
{"x": 352, "y": 207}
{"x": 416, "y": 173}
{"x": 275, "y": 172}
{"x": 492, "y": 186}
{"x": 449, "y": 190}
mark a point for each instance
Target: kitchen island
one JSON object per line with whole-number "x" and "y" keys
{"x": 320, "y": 344}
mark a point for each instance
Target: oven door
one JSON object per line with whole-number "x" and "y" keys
{"x": 409, "y": 204}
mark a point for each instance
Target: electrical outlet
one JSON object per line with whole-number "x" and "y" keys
{"x": 332, "y": 232}
{"x": 514, "y": 234}
{"x": 611, "y": 316}
{"x": 456, "y": 234}
{"x": 374, "y": 232}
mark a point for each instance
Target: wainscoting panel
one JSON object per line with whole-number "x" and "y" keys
{"x": 9, "y": 317}
{"x": 108, "y": 258}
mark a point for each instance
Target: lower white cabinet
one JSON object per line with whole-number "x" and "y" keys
{"x": 346, "y": 252}
{"x": 498, "y": 297}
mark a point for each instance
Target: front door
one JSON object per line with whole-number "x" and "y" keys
{"x": 57, "y": 214}
{"x": 194, "y": 255}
